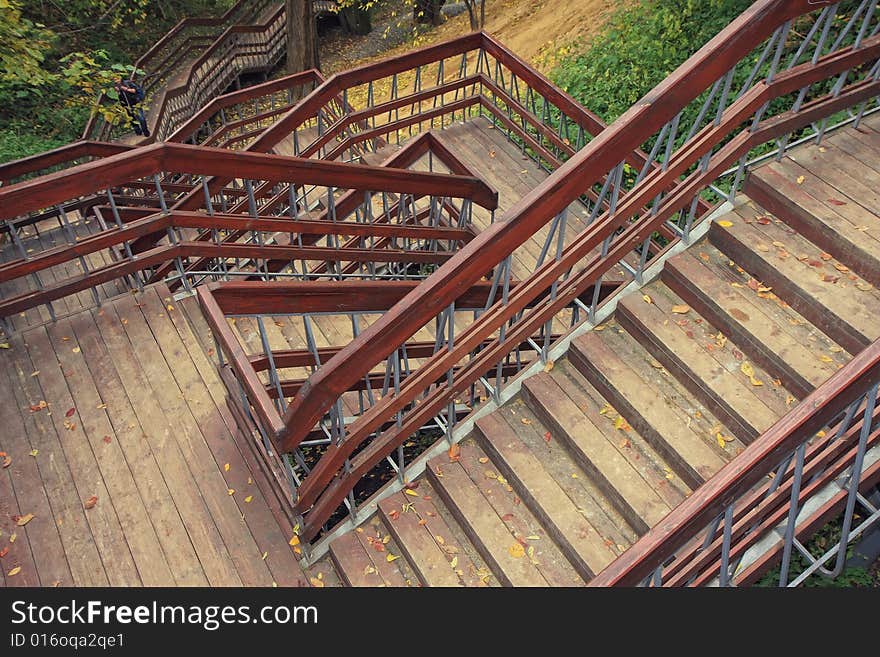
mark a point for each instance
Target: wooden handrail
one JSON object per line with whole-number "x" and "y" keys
{"x": 736, "y": 478}
{"x": 534, "y": 210}
{"x": 185, "y": 131}
{"x": 61, "y": 155}
{"x": 88, "y": 178}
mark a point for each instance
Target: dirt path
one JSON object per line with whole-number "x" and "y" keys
{"x": 536, "y": 31}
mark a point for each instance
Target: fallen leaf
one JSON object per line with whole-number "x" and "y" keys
{"x": 526, "y": 421}
{"x": 91, "y": 502}
{"x": 15, "y": 571}
{"x": 704, "y": 257}
{"x": 249, "y": 499}
{"x": 316, "y": 582}
{"x": 546, "y": 437}
{"x": 12, "y": 537}
{"x": 394, "y": 514}
{"x": 762, "y": 247}
{"x": 656, "y": 364}
{"x": 407, "y": 491}
{"x": 647, "y": 299}
{"x": 517, "y": 551}
{"x": 800, "y": 180}
{"x": 507, "y": 517}
{"x": 549, "y": 366}
{"x": 391, "y": 557}
{"x": 763, "y": 220}
{"x": 828, "y": 278}
{"x": 789, "y": 400}
{"x": 753, "y": 284}
{"x": 34, "y": 452}
{"x": 225, "y": 467}
{"x": 825, "y": 359}
{"x": 70, "y": 412}
{"x": 454, "y": 453}
{"x": 779, "y": 245}
{"x": 483, "y": 459}
{"x": 25, "y": 519}
{"x": 7, "y": 461}
{"x": 864, "y": 287}
{"x": 681, "y": 310}
{"x": 386, "y": 539}
{"x": 840, "y": 267}
{"x": 826, "y": 256}
{"x": 724, "y": 223}
{"x": 75, "y": 350}
{"x": 4, "y": 552}
{"x": 722, "y": 441}
{"x": 746, "y": 368}
{"x": 107, "y": 439}
{"x": 621, "y": 424}
{"x": 834, "y": 201}
{"x": 454, "y": 563}
{"x": 265, "y": 555}
{"x": 490, "y": 475}
{"x": 230, "y": 491}
{"x": 39, "y": 407}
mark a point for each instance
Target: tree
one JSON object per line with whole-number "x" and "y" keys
{"x": 302, "y": 42}
{"x": 476, "y": 24}
{"x": 428, "y": 11}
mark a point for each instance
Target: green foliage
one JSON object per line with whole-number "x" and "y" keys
{"x": 23, "y": 44}
{"x": 640, "y": 45}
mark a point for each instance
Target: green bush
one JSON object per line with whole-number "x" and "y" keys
{"x": 639, "y": 46}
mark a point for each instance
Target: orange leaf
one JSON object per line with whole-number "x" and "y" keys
{"x": 826, "y": 256}
{"x": 23, "y": 520}
{"x": 454, "y": 453}
{"x": 316, "y": 582}
{"x": 7, "y": 461}
{"x": 394, "y": 514}
{"x": 91, "y": 502}
{"x": 547, "y": 436}
{"x": 4, "y": 552}
{"x": 840, "y": 267}
{"x": 516, "y": 550}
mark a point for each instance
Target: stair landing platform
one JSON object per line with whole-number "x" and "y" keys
{"x": 123, "y": 464}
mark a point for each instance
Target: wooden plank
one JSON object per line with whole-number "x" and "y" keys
{"x": 646, "y": 409}
{"x": 525, "y": 526}
{"x": 485, "y": 529}
{"x": 582, "y": 544}
{"x": 83, "y": 558}
{"x": 425, "y": 555}
{"x": 181, "y": 396}
{"x": 600, "y": 458}
{"x": 88, "y": 480}
{"x": 839, "y": 227}
{"x": 716, "y": 382}
{"x": 759, "y": 336}
{"x": 110, "y": 367}
{"x": 138, "y": 383}
{"x": 94, "y": 423}
{"x": 373, "y": 534}
{"x": 847, "y": 174}
{"x": 352, "y": 562}
{"x": 848, "y": 321}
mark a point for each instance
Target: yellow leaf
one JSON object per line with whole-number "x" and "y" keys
{"x": 864, "y": 287}
{"x": 4, "y": 345}
{"x": 647, "y": 299}
{"x": 226, "y": 467}
{"x": 230, "y": 491}
{"x": 621, "y": 424}
{"x": 526, "y": 421}
{"x": 483, "y": 459}
{"x": 517, "y": 551}
{"x": 386, "y": 539}
{"x": 454, "y": 562}
{"x": 721, "y": 440}
{"x": 746, "y": 368}
{"x": 249, "y": 499}
{"x": 294, "y": 541}
{"x": 265, "y": 554}
{"x": 825, "y": 359}
{"x": 34, "y": 452}
{"x": 681, "y": 310}
{"x": 549, "y": 366}
{"x": 724, "y": 223}
{"x": 411, "y": 492}
{"x": 15, "y": 571}
{"x": 21, "y": 522}
{"x": 391, "y": 557}
{"x": 316, "y": 582}
{"x": 75, "y": 350}
{"x": 13, "y": 537}
{"x": 800, "y": 180}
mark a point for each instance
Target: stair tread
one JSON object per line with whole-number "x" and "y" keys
{"x": 585, "y": 547}
{"x": 647, "y": 409}
{"x": 850, "y": 320}
{"x": 353, "y": 564}
{"x": 847, "y": 174}
{"x": 759, "y": 334}
{"x": 493, "y": 537}
{"x": 602, "y": 460}
{"x": 371, "y": 535}
{"x": 862, "y": 146}
{"x": 416, "y": 526}
{"x": 557, "y": 461}
{"x": 324, "y": 572}
{"x": 686, "y": 345}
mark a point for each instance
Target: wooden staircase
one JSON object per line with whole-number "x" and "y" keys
{"x": 595, "y": 450}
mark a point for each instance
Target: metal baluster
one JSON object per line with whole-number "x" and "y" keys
{"x": 793, "y": 510}
{"x": 280, "y": 402}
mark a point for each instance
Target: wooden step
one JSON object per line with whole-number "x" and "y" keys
{"x": 581, "y": 543}
{"x": 647, "y": 409}
{"x": 387, "y": 557}
{"x": 641, "y": 456}
{"x": 812, "y": 284}
{"x": 427, "y": 541}
{"x": 686, "y": 345}
{"x": 352, "y": 562}
{"x": 748, "y": 321}
{"x": 821, "y": 213}
{"x": 491, "y": 535}
{"x": 600, "y": 459}
{"x": 322, "y": 573}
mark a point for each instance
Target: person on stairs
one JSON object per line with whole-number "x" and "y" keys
{"x": 130, "y": 96}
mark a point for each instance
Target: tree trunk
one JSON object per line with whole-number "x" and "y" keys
{"x": 483, "y": 15}
{"x": 472, "y": 16}
{"x": 302, "y": 43}
{"x": 428, "y": 11}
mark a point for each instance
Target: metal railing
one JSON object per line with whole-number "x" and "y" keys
{"x": 775, "y": 70}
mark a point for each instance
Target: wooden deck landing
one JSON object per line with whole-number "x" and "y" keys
{"x": 135, "y": 418}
